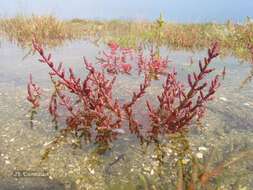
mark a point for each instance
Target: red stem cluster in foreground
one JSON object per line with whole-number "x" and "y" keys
{"x": 179, "y": 105}
{"x": 94, "y": 112}
{"x": 96, "y": 106}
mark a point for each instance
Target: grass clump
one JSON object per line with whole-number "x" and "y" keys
{"x": 48, "y": 30}
{"x": 232, "y": 37}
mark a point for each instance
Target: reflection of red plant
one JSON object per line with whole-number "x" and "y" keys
{"x": 223, "y": 73}
{"x": 94, "y": 112}
{"x": 34, "y": 93}
{"x": 53, "y": 103}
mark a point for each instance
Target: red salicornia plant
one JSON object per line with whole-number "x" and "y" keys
{"x": 116, "y": 60}
{"x": 34, "y": 95}
{"x": 178, "y": 105}
{"x": 153, "y": 65}
{"x": 88, "y": 101}
{"x": 95, "y": 113}
{"x": 124, "y": 60}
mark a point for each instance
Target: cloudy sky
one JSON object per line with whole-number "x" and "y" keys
{"x": 173, "y": 10}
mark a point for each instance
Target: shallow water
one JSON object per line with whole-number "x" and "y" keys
{"x": 226, "y": 131}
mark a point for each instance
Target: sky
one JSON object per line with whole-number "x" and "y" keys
{"x": 173, "y": 10}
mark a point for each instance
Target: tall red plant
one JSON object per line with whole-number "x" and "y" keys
{"x": 89, "y": 102}
{"x": 179, "y": 105}
{"x": 95, "y": 113}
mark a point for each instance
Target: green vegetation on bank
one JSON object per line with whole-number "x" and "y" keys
{"x": 233, "y": 38}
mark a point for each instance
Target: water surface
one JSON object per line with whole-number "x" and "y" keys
{"x": 226, "y": 131}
